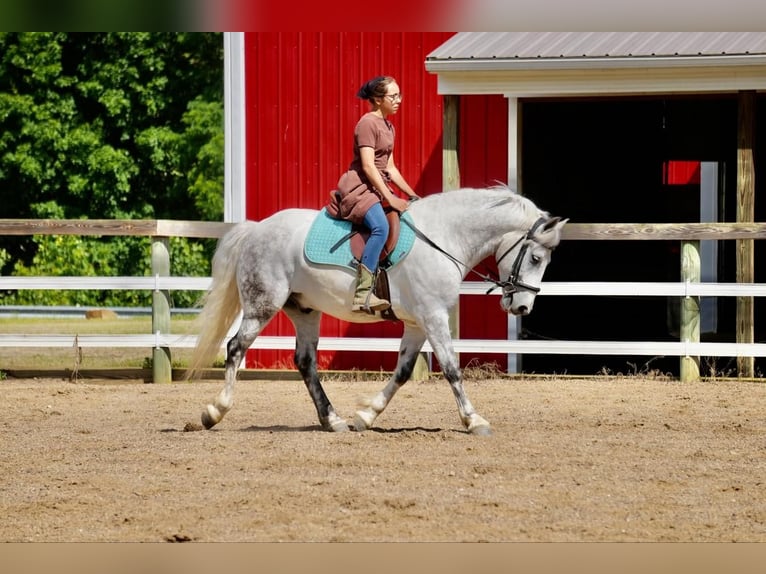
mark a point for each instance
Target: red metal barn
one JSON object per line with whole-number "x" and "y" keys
{"x": 301, "y": 108}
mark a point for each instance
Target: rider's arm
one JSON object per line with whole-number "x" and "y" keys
{"x": 398, "y": 179}
{"x": 367, "y": 155}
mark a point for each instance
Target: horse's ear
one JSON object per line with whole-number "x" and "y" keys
{"x": 549, "y": 233}
{"x": 556, "y": 222}
{"x": 552, "y": 224}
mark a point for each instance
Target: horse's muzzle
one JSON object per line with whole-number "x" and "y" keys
{"x": 518, "y": 308}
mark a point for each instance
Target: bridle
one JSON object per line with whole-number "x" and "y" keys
{"x": 511, "y": 285}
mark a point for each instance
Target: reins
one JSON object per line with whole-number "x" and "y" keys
{"x": 512, "y": 284}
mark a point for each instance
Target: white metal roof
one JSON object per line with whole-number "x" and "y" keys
{"x": 557, "y": 45}
{"x": 572, "y": 63}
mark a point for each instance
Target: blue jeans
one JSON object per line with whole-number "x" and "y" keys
{"x": 376, "y": 222}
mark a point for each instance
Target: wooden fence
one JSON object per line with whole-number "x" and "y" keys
{"x": 689, "y": 289}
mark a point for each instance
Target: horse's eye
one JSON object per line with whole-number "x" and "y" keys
{"x": 536, "y": 259}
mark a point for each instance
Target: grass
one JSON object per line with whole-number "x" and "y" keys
{"x": 120, "y": 326}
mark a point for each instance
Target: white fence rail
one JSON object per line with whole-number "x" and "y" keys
{"x": 595, "y": 289}
{"x": 553, "y": 347}
{"x": 688, "y": 290}
{"x": 584, "y": 288}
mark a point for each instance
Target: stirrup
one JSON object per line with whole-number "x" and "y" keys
{"x": 365, "y": 307}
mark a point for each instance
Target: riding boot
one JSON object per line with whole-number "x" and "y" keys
{"x": 365, "y": 300}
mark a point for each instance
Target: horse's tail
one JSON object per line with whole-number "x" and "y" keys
{"x": 221, "y": 303}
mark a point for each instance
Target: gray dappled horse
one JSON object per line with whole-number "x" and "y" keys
{"x": 259, "y": 268}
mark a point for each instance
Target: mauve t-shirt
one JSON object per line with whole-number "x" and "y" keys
{"x": 354, "y": 194}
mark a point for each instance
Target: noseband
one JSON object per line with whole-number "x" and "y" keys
{"x": 511, "y": 285}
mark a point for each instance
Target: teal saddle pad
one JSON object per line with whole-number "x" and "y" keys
{"x": 329, "y": 242}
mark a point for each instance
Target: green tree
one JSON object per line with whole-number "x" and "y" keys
{"x": 109, "y": 125}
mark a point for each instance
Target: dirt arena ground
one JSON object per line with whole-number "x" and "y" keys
{"x": 626, "y": 459}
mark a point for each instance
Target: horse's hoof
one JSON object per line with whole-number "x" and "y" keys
{"x": 338, "y": 426}
{"x": 481, "y": 430}
{"x": 209, "y": 419}
{"x": 360, "y": 424}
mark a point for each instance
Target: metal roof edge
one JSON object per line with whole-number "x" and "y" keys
{"x": 519, "y": 64}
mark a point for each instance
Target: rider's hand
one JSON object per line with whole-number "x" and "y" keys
{"x": 399, "y": 204}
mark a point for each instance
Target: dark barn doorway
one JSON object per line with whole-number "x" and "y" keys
{"x": 606, "y": 161}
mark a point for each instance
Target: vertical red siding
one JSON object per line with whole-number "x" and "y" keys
{"x": 301, "y": 110}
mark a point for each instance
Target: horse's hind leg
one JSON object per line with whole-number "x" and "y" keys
{"x": 249, "y": 329}
{"x": 306, "y": 322}
{"x": 412, "y": 341}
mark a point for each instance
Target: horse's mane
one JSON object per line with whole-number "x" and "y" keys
{"x": 487, "y": 198}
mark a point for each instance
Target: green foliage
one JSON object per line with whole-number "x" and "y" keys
{"x": 204, "y": 135}
{"x": 71, "y": 255}
{"x": 189, "y": 259}
{"x": 68, "y": 255}
{"x": 98, "y": 15}
{"x": 109, "y": 125}
{"x": 113, "y": 126}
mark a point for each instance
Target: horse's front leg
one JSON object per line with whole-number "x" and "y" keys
{"x": 412, "y": 342}
{"x": 306, "y": 324}
{"x": 441, "y": 342}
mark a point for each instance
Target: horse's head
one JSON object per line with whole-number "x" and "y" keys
{"x": 523, "y": 260}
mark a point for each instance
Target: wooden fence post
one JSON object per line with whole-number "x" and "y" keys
{"x": 450, "y": 181}
{"x": 162, "y": 371}
{"x": 690, "y": 309}
{"x": 745, "y": 214}
{"x": 451, "y": 177}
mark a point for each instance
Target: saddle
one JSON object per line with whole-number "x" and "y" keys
{"x": 339, "y": 243}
